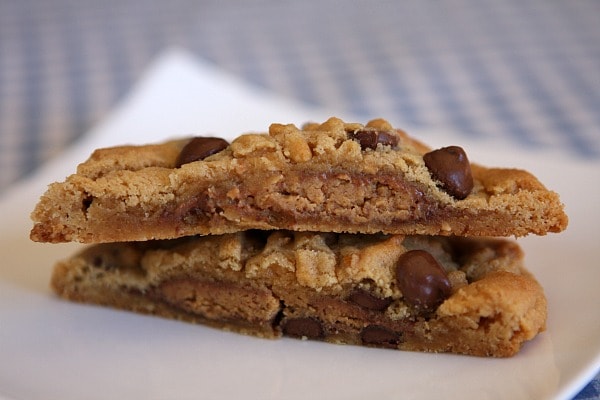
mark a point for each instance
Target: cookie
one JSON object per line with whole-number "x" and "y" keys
{"x": 418, "y": 293}
{"x": 330, "y": 177}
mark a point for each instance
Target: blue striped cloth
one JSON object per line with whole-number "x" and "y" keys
{"x": 524, "y": 71}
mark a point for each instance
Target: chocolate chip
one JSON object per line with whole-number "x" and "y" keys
{"x": 86, "y": 203}
{"x": 98, "y": 261}
{"x": 199, "y": 148}
{"x": 380, "y": 336}
{"x": 303, "y": 327}
{"x": 369, "y": 301}
{"x": 423, "y": 282}
{"x": 104, "y": 256}
{"x": 451, "y": 167}
{"x": 370, "y": 138}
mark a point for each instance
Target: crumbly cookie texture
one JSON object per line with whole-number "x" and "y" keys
{"x": 330, "y": 177}
{"x": 341, "y": 288}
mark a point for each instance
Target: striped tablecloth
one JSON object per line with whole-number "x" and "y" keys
{"x": 526, "y": 71}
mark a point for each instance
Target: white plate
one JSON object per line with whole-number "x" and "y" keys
{"x": 51, "y": 349}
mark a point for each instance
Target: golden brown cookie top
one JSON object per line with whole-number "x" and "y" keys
{"x": 426, "y": 293}
{"x": 334, "y": 176}
{"x": 328, "y": 263}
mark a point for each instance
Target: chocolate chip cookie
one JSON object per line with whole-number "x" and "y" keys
{"x": 419, "y": 293}
{"x": 329, "y": 177}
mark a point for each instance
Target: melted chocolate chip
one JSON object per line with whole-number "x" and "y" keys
{"x": 380, "y": 336}
{"x": 303, "y": 327}
{"x": 451, "y": 167}
{"x": 369, "y": 301}
{"x": 199, "y": 148}
{"x": 423, "y": 282}
{"x": 369, "y": 138}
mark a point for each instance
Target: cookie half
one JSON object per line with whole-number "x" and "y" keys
{"x": 330, "y": 177}
{"x": 419, "y": 293}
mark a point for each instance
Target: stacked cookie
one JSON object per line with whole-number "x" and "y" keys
{"x": 338, "y": 231}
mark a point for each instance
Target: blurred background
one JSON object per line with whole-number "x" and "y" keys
{"x": 524, "y": 71}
